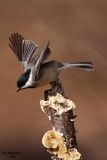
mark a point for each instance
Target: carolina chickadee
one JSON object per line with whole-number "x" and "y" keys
{"x": 36, "y": 72}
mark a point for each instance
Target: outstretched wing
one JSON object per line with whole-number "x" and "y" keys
{"x": 26, "y": 51}
{"x": 44, "y": 55}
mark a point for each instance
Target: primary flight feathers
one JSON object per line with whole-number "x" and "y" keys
{"x": 27, "y": 52}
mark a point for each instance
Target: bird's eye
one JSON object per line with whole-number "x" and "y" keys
{"x": 23, "y": 79}
{"x": 20, "y": 83}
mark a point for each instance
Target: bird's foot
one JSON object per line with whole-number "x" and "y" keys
{"x": 56, "y": 87}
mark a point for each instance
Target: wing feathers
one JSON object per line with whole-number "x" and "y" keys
{"x": 46, "y": 52}
{"x": 26, "y": 51}
{"x": 29, "y": 49}
{"x": 16, "y": 45}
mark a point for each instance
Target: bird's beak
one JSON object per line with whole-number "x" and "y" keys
{"x": 18, "y": 89}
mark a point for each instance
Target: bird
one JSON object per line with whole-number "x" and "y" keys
{"x": 37, "y": 72}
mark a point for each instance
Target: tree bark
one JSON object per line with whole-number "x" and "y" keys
{"x": 63, "y": 123}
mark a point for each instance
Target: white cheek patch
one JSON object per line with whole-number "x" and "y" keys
{"x": 29, "y": 82}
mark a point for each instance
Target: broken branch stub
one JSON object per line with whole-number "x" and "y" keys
{"x": 61, "y": 140}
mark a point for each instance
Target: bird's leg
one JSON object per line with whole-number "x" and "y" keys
{"x": 56, "y": 87}
{"x": 58, "y": 80}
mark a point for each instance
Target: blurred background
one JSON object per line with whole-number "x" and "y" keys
{"x": 77, "y": 31}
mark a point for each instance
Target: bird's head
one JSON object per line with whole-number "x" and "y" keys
{"x": 23, "y": 80}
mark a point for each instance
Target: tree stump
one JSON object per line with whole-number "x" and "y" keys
{"x": 61, "y": 141}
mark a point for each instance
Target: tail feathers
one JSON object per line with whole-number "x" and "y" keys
{"x": 88, "y": 66}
